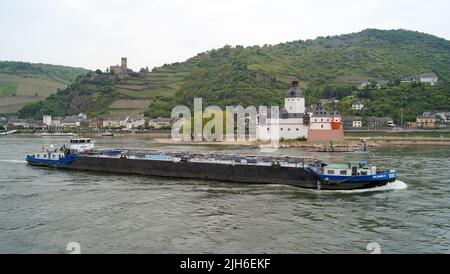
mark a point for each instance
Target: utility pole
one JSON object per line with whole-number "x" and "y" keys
{"x": 401, "y": 117}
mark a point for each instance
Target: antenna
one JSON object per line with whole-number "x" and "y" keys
{"x": 370, "y": 156}
{"x": 401, "y": 122}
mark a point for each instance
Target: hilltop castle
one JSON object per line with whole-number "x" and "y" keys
{"x": 120, "y": 70}
{"x": 296, "y": 121}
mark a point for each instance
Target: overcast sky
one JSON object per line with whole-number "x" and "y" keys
{"x": 96, "y": 33}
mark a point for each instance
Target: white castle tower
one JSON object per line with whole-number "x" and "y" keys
{"x": 295, "y": 121}
{"x": 294, "y": 101}
{"x": 47, "y": 120}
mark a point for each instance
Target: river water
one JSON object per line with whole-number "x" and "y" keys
{"x": 43, "y": 210}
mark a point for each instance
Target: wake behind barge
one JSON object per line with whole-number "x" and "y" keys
{"x": 301, "y": 172}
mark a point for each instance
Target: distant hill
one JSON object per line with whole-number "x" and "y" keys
{"x": 23, "y": 83}
{"x": 259, "y": 75}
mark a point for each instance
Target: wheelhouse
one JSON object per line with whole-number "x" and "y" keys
{"x": 360, "y": 169}
{"x": 81, "y": 144}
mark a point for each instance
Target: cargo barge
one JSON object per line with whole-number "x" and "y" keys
{"x": 301, "y": 172}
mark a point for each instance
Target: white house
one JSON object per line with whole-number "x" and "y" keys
{"x": 135, "y": 123}
{"x": 111, "y": 123}
{"x": 428, "y": 78}
{"x": 357, "y": 124}
{"x": 365, "y": 84}
{"x": 161, "y": 122}
{"x": 352, "y": 122}
{"x": 444, "y": 117}
{"x": 119, "y": 122}
{"x": 358, "y": 106}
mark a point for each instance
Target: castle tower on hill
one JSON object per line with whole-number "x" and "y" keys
{"x": 121, "y": 70}
{"x": 124, "y": 63}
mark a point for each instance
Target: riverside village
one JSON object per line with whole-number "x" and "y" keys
{"x": 296, "y": 121}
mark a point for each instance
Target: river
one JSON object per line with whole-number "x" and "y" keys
{"x": 43, "y": 210}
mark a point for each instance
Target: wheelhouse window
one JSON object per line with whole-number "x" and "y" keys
{"x": 343, "y": 172}
{"x": 80, "y": 141}
{"x": 330, "y": 172}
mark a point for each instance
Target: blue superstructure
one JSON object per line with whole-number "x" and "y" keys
{"x": 51, "y": 161}
{"x": 351, "y": 173}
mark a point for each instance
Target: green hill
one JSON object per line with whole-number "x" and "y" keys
{"x": 23, "y": 83}
{"x": 327, "y": 67}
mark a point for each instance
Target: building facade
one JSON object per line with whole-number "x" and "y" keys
{"x": 295, "y": 121}
{"x": 380, "y": 122}
{"x": 428, "y": 78}
{"x": 444, "y": 118}
{"x": 352, "y": 122}
{"x": 427, "y": 120}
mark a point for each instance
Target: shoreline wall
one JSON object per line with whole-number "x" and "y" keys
{"x": 325, "y": 136}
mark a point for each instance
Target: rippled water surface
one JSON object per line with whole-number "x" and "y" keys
{"x": 42, "y": 210}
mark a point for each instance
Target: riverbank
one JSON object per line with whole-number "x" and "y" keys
{"x": 353, "y": 139}
{"x": 350, "y": 143}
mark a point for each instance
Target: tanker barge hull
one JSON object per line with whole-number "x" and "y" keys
{"x": 237, "y": 173}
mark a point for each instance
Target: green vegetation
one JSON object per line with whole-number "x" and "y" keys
{"x": 85, "y": 95}
{"x": 24, "y": 83}
{"x": 327, "y": 67}
{"x": 7, "y": 89}
{"x": 301, "y": 139}
{"x": 260, "y": 75}
{"x": 60, "y": 74}
{"x": 413, "y": 100}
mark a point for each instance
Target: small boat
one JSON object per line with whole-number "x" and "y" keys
{"x": 108, "y": 134}
{"x": 346, "y": 175}
{"x": 8, "y": 132}
{"x": 57, "y": 134}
